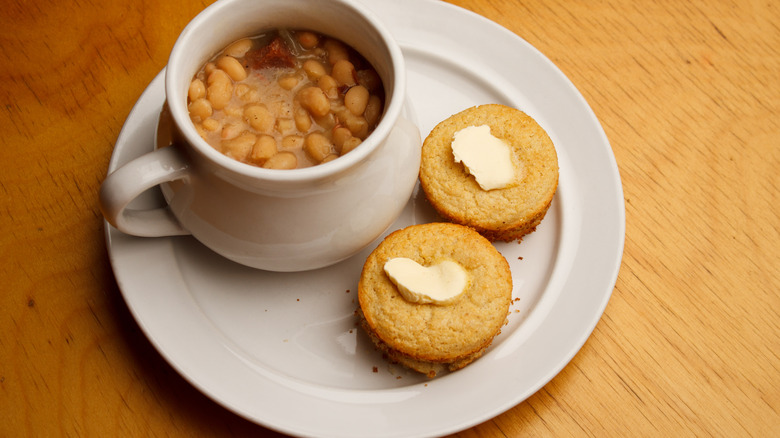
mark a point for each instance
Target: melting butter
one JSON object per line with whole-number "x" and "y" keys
{"x": 487, "y": 158}
{"x": 437, "y": 284}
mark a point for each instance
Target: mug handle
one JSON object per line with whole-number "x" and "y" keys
{"x": 130, "y": 180}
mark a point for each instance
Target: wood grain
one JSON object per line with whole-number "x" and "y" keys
{"x": 687, "y": 92}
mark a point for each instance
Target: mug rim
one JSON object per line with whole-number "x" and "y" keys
{"x": 392, "y": 111}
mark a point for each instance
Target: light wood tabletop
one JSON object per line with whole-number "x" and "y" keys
{"x": 688, "y": 93}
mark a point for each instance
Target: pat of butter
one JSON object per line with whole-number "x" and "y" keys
{"x": 437, "y": 284}
{"x": 485, "y": 157}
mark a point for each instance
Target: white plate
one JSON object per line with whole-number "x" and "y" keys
{"x": 282, "y": 349}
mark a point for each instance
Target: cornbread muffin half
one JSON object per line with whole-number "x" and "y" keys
{"x": 431, "y": 338}
{"x": 506, "y": 213}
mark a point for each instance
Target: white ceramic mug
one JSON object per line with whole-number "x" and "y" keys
{"x": 279, "y": 220}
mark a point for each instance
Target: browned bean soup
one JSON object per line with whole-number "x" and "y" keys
{"x": 286, "y": 99}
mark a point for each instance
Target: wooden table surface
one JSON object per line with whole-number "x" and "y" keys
{"x": 688, "y": 93}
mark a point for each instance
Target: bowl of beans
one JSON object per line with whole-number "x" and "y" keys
{"x": 286, "y": 99}
{"x": 288, "y": 141}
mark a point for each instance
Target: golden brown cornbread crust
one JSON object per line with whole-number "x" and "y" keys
{"x": 430, "y": 369}
{"x": 503, "y": 214}
{"x": 430, "y": 337}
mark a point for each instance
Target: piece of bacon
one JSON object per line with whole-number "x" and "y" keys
{"x": 275, "y": 55}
